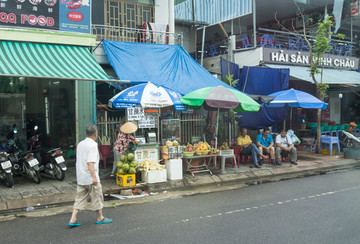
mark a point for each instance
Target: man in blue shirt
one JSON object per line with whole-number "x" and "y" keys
{"x": 265, "y": 143}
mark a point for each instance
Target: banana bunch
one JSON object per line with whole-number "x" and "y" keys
{"x": 150, "y": 165}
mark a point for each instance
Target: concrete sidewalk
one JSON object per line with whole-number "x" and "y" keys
{"x": 52, "y": 192}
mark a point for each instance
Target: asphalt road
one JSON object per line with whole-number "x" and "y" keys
{"x": 318, "y": 209}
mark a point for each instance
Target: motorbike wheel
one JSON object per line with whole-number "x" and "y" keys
{"x": 9, "y": 180}
{"x": 59, "y": 174}
{"x": 35, "y": 175}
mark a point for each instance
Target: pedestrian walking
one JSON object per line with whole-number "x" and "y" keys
{"x": 88, "y": 180}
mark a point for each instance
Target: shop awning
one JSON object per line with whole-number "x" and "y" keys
{"x": 330, "y": 76}
{"x": 49, "y": 61}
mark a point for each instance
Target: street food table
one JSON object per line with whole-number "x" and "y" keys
{"x": 204, "y": 163}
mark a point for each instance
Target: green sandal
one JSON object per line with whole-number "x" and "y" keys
{"x": 75, "y": 224}
{"x": 104, "y": 221}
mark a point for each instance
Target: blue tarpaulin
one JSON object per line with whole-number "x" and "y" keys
{"x": 164, "y": 65}
{"x": 228, "y": 68}
{"x": 263, "y": 81}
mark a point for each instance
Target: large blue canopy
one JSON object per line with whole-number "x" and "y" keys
{"x": 296, "y": 99}
{"x": 164, "y": 65}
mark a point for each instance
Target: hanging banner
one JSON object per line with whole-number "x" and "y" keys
{"x": 63, "y": 15}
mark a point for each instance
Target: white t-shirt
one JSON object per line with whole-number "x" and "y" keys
{"x": 87, "y": 151}
{"x": 283, "y": 141}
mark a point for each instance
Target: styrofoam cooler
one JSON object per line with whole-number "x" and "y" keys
{"x": 155, "y": 176}
{"x": 174, "y": 168}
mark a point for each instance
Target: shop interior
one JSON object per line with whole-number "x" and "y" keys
{"x": 49, "y": 104}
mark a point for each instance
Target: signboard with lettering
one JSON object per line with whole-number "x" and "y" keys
{"x": 147, "y": 151}
{"x": 303, "y": 59}
{"x": 135, "y": 113}
{"x": 63, "y": 15}
{"x": 147, "y": 122}
{"x": 143, "y": 121}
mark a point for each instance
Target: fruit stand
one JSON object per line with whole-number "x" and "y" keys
{"x": 201, "y": 153}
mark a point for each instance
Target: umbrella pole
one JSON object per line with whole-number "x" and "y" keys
{"x": 290, "y": 127}
{"x": 217, "y": 128}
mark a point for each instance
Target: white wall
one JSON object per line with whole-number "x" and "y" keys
{"x": 335, "y": 107}
{"x": 188, "y": 37}
{"x": 249, "y": 58}
{"x": 161, "y": 12}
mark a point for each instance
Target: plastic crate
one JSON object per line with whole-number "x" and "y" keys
{"x": 125, "y": 180}
{"x": 227, "y": 152}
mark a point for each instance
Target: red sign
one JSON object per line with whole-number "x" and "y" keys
{"x": 75, "y": 16}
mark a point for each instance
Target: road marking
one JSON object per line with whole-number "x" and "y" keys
{"x": 315, "y": 196}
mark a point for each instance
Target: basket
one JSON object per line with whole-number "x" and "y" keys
{"x": 189, "y": 154}
{"x": 200, "y": 153}
{"x": 227, "y": 152}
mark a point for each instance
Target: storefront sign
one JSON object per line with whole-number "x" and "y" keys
{"x": 63, "y": 15}
{"x": 303, "y": 58}
{"x": 147, "y": 151}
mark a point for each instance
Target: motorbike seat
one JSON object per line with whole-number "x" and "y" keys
{"x": 52, "y": 150}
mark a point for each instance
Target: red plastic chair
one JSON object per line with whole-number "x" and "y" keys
{"x": 105, "y": 153}
{"x": 284, "y": 157}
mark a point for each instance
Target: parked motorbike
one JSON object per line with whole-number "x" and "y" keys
{"x": 52, "y": 163}
{"x": 23, "y": 162}
{"x": 5, "y": 169}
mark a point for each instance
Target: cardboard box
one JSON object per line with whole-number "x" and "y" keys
{"x": 155, "y": 176}
{"x": 174, "y": 169}
{"x": 125, "y": 180}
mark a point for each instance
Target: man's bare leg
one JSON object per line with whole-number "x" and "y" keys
{"x": 99, "y": 214}
{"x": 74, "y": 215}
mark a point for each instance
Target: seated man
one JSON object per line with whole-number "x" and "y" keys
{"x": 247, "y": 147}
{"x": 265, "y": 143}
{"x": 285, "y": 145}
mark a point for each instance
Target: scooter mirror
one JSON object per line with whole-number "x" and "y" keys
{"x": 36, "y": 127}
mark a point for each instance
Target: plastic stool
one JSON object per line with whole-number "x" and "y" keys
{"x": 284, "y": 157}
{"x": 223, "y": 159}
{"x": 330, "y": 140}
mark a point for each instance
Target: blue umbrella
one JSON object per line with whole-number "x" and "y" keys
{"x": 147, "y": 95}
{"x": 296, "y": 99}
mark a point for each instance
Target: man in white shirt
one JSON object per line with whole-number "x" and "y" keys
{"x": 88, "y": 180}
{"x": 285, "y": 145}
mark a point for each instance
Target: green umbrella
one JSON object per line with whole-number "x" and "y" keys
{"x": 220, "y": 98}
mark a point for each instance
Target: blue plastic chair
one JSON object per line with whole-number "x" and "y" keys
{"x": 304, "y": 46}
{"x": 267, "y": 41}
{"x": 330, "y": 140}
{"x": 293, "y": 45}
{"x": 245, "y": 42}
{"x": 278, "y": 45}
{"x": 338, "y": 50}
{"x": 212, "y": 51}
{"x": 348, "y": 50}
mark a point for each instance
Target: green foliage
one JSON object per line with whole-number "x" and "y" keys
{"x": 321, "y": 46}
{"x": 229, "y": 80}
{"x": 322, "y": 88}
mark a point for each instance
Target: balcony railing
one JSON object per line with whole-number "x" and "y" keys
{"x": 292, "y": 41}
{"x": 125, "y": 34}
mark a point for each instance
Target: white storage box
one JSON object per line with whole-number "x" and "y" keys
{"x": 155, "y": 176}
{"x": 174, "y": 168}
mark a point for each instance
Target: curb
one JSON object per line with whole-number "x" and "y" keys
{"x": 246, "y": 178}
